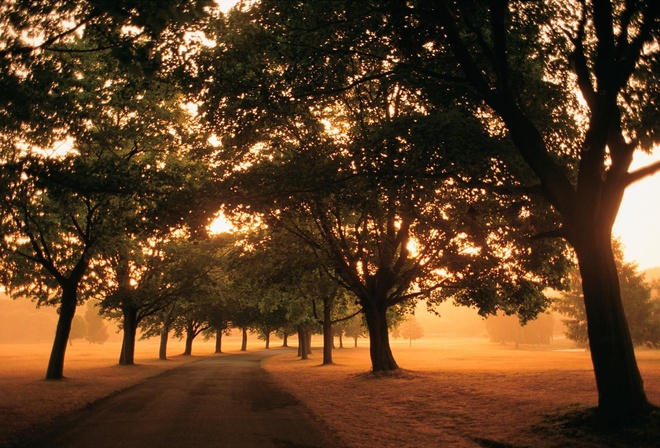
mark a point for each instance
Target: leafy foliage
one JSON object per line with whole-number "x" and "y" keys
{"x": 97, "y": 329}
{"x": 503, "y": 328}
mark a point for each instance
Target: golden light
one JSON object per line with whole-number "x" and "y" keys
{"x": 221, "y": 225}
{"x": 637, "y": 222}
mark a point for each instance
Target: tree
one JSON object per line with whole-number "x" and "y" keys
{"x": 336, "y": 309}
{"x": 411, "y": 329}
{"x": 352, "y": 189}
{"x": 641, "y": 310}
{"x": 503, "y": 328}
{"x": 55, "y": 218}
{"x": 56, "y": 205}
{"x": 160, "y": 324}
{"x": 195, "y": 274}
{"x": 97, "y": 329}
{"x": 144, "y": 125}
{"x": 219, "y": 319}
{"x": 274, "y": 280}
{"x": 79, "y": 328}
{"x": 526, "y": 62}
{"x": 355, "y": 328}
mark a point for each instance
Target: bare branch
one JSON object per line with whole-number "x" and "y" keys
{"x": 641, "y": 173}
{"x": 580, "y": 61}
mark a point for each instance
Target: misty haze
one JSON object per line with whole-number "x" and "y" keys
{"x": 274, "y": 223}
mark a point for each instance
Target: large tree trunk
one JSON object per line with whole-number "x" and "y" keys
{"x": 218, "y": 341}
{"x": 164, "y": 336}
{"x": 285, "y": 340}
{"x": 244, "y": 340}
{"x": 190, "y": 336}
{"x": 55, "y": 369}
{"x": 620, "y": 386}
{"x": 267, "y": 338}
{"x": 308, "y": 340}
{"x": 301, "y": 343}
{"x": 382, "y": 359}
{"x": 304, "y": 343}
{"x": 127, "y": 355}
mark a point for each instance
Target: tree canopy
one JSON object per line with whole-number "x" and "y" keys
{"x": 396, "y": 189}
{"x": 434, "y": 149}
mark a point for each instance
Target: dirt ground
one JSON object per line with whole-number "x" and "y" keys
{"x": 451, "y": 392}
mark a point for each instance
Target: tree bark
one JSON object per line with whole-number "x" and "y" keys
{"x": 244, "y": 340}
{"x": 55, "y": 370}
{"x": 620, "y": 387}
{"x": 308, "y": 341}
{"x": 382, "y": 359}
{"x": 285, "y": 340}
{"x": 328, "y": 336}
{"x": 303, "y": 342}
{"x": 164, "y": 336}
{"x": 218, "y": 341}
{"x": 127, "y": 355}
{"x": 190, "y": 336}
{"x": 267, "y": 340}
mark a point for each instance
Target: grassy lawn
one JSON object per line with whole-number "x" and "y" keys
{"x": 450, "y": 392}
{"x": 462, "y": 393}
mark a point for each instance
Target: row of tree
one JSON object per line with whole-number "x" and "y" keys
{"x": 396, "y": 151}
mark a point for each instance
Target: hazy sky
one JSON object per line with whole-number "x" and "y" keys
{"x": 225, "y": 5}
{"x": 638, "y": 223}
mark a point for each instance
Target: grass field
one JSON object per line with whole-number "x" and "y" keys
{"x": 463, "y": 393}
{"x": 450, "y": 393}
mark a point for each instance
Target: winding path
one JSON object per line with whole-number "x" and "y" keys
{"x": 223, "y": 401}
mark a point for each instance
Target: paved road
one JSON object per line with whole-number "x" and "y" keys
{"x": 224, "y": 401}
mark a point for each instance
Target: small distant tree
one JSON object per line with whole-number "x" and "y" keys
{"x": 284, "y": 333}
{"x": 97, "y": 329}
{"x": 503, "y": 328}
{"x": 410, "y": 329}
{"x": 78, "y": 328}
{"x": 355, "y": 328}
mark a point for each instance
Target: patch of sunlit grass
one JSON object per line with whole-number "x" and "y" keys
{"x": 451, "y": 393}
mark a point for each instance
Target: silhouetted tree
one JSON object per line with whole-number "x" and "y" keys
{"x": 55, "y": 206}
{"x": 526, "y": 61}
{"x": 358, "y": 172}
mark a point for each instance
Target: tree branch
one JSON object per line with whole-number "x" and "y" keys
{"x": 50, "y": 41}
{"x": 580, "y": 62}
{"x": 641, "y": 173}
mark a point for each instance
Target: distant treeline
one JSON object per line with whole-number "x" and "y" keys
{"x": 21, "y": 322}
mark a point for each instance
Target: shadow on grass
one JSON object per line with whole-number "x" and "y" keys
{"x": 581, "y": 426}
{"x": 387, "y": 374}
